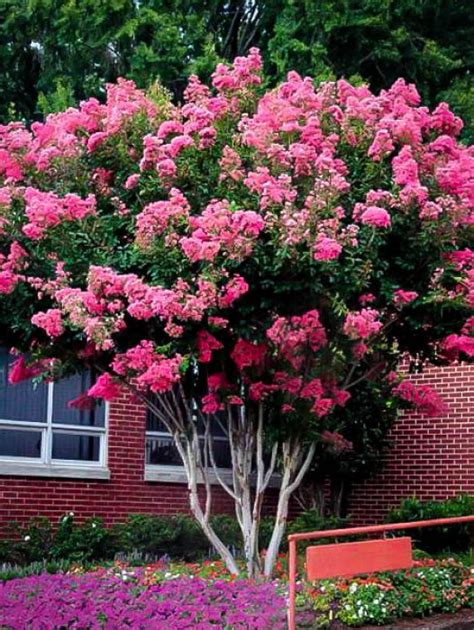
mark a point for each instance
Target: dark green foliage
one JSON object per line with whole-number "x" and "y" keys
{"x": 434, "y": 539}
{"x": 142, "y": 537}
{"x": 364, "y": 422}
{"x": 40, "y": 541}
{"x": 55, "y": 52}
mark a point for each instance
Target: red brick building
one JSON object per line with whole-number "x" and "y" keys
{"x": 113, "y": 462}
{"x": 431, "y": 458}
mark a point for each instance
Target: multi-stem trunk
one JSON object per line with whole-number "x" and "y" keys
{"x": 251, "y": 474}
{"x": 295, "y": 464}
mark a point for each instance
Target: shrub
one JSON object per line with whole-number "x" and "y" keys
{"x": 312, "y": 521}
{"x": 40, "y": 541}
{"x": 431, "y": 586}
{"x": 144, "y": 537}
{"x": 434, "y": 539}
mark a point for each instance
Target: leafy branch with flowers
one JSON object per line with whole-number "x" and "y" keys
{"x": 248, "y": 259}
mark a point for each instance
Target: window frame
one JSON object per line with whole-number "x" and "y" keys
{"x": 45, "y": 465}
{"x": 174, "y": 473}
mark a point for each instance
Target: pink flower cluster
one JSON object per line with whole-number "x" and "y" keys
{"x": 294, "y": 335}
{"x": 401, "y": 297}
{"x": 161, "y": 216}
{"x": 249, "y": 355}
{"x": 362, "y": 324}
{"x": 219, "y": 228}
{"x": 45, "y": 210}
{"x": 50, "y": 321}
{"x": 454, "y": 345}
{"x": 16, "y": 261}
{"x": 105, "y": 388}
{"x": 23, "y": 371}
{"x": 244, "y": 72}
{"x": 422, "y": 397}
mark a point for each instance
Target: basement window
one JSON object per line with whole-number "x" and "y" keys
{"x": 41, "y": 435}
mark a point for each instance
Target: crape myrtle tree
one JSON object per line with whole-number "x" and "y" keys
{"x": 247, "y": 259}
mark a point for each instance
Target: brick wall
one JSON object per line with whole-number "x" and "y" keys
{"x": 126, "y": 492}
{"x": 432, "y": 458}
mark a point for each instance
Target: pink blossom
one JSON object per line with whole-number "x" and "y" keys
{"x": 422, "y": 397}
{"x": 233, "y": 290}
{"x": 312, "y": 389}
{"x": 375, "y": 216}
{"x": 293, "y": 336}
{"x": 8, "y": 281}
{"x": 21, "y": 371}
{"x": 259, "y": 390}
{"x": 359, "y": 350}
{"x": 231, "y": 165}
{"x": 46, "y": 210}
{"x": 246, "y": 354}
{"x": 381, "y": 146}
{"x": 132, "y": 181}
{"x": 367, "y": 298}
{"x": 211, "y": 403}
{"x": 166, "y": 168}
{"x": 401, "y": 297}
{"x": 207, "y": 344}
{"x": 362, "y": 324}
{"x": 326, "y": 248}
{"x": 51, "y": 322}
{"x": 322, "y": 407}
{"x": 218, "y": 322}
{"x": 454, "y": 345}
{"x": 161, "y": 375}
{"x": 105, "y": 387}
{"x": 159, "y": 216}
{"x": 219, "y": 228}
{"x": 217, "y": 381}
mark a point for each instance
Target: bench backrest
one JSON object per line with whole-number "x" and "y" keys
{"x": 355, "y": 558}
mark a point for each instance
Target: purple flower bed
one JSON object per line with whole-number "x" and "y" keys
{"x": 49, "y": 602}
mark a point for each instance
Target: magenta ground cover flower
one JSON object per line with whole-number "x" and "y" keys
{"x": 107, "y": 602}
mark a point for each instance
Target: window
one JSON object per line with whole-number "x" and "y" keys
{"x": 38, "y": 429}
{"x": 162, "y": 459}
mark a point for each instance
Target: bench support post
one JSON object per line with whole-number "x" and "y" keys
{"x": 292, "y": 585}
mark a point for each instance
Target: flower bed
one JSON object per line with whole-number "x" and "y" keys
{"x": 431, "y": 586}
{"x": 121, "y": 599}
{"x": 205, "y": 596}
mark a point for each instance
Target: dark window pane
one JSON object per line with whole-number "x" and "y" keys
{"x": 23, "y": 401}
{"x": 162, "y": 451}
{"x": 69, "y": 388}
{"x": 77, "y": 447}
{"x": 154, "y": 424}
{"x": 222, "y": 454}
{"x": 16, "y": 443}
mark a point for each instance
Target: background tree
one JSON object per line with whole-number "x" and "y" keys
{"x": 58, "y": 46}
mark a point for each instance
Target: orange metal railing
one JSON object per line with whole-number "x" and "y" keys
{"x": 353, "y": 531}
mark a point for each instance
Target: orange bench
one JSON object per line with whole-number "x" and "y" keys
{"x": 355, "y": 558}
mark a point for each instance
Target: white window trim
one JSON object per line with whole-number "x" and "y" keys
{"x": 165, "y": 473}
{"x": 45, "y": 466}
